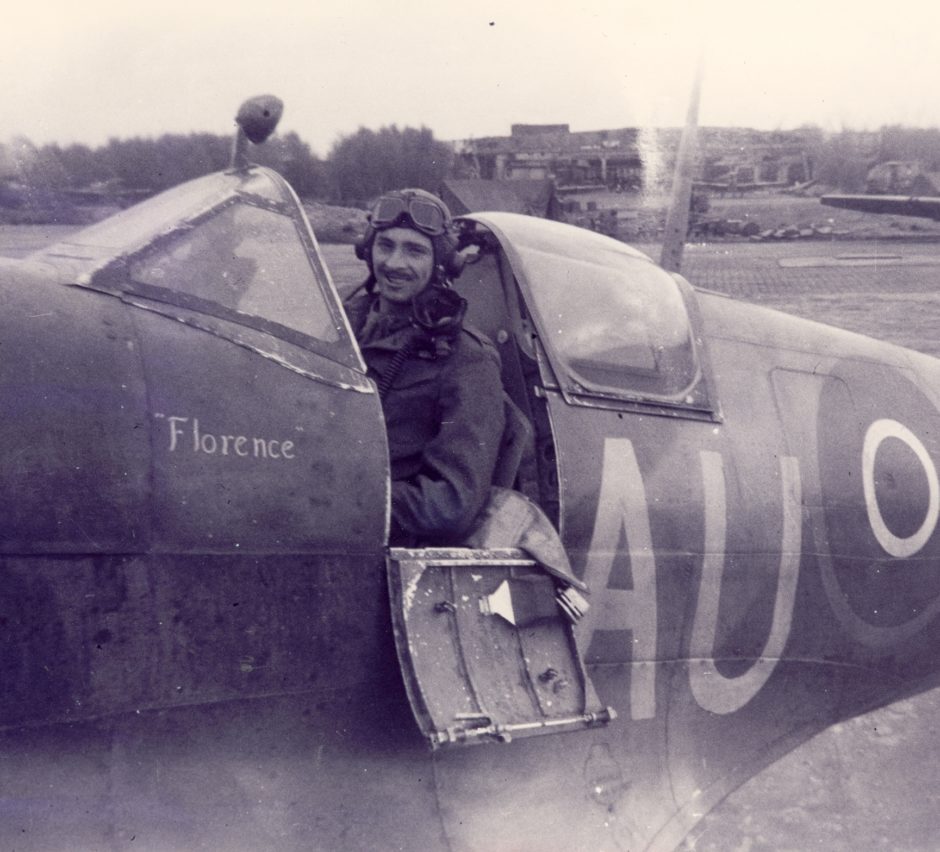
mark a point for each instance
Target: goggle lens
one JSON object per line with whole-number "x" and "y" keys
{"x": 426, "y": 216}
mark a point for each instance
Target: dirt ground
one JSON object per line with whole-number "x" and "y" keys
{"x": 774, "y": 211}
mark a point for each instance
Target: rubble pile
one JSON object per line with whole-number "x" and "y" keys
{"x": 750, "y": 229}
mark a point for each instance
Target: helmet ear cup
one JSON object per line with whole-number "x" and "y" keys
{"x": 454, "y": 264}
{"x": 364, "y": 246}
{"x": 451, "y": 261}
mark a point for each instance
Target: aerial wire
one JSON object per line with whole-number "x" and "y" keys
{"x": 677, "y": 217}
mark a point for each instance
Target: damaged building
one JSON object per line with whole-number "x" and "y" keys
{"x": 633, "y": 159}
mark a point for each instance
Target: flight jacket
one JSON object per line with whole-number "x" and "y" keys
{"x": 444, "y": 419}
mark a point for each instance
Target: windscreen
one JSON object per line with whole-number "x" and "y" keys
{"x": 246, "y": 259}
{"x": 130, "y": 228}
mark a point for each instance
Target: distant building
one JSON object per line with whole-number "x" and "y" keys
{"x": 629, "y": 158}
{"x": 552, "y": 151}
{"x": 742, "y": 158}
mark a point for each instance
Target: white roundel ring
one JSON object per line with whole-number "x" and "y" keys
{"x": 896, "y": 545}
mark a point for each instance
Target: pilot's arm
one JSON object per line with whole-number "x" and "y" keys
{"x": 439, "y": 503}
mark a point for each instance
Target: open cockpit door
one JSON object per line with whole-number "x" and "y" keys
{"x": 486, "y": 651}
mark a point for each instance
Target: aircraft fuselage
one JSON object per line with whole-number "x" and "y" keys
{"x": 194, "y": 540}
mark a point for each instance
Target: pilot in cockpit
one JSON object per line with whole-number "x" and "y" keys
{"x": 438, "y": 379}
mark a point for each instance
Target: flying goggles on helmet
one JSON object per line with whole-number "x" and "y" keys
{"x": 424, "y": 214}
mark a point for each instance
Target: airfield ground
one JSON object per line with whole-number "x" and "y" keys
{"x": 872, "y": 782}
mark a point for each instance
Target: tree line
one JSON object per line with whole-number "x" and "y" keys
{"x": 359, "y": 166}
{"x": 842, "y": 160}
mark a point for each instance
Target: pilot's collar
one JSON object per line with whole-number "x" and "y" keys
{"x": 387, "y": 325}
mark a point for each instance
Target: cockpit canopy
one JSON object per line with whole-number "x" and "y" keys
{"x": 612, "y": 323}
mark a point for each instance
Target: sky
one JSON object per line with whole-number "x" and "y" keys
{"x": 92, "y": 70}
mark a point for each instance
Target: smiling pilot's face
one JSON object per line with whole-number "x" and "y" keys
{"x": 403, "y": 262}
